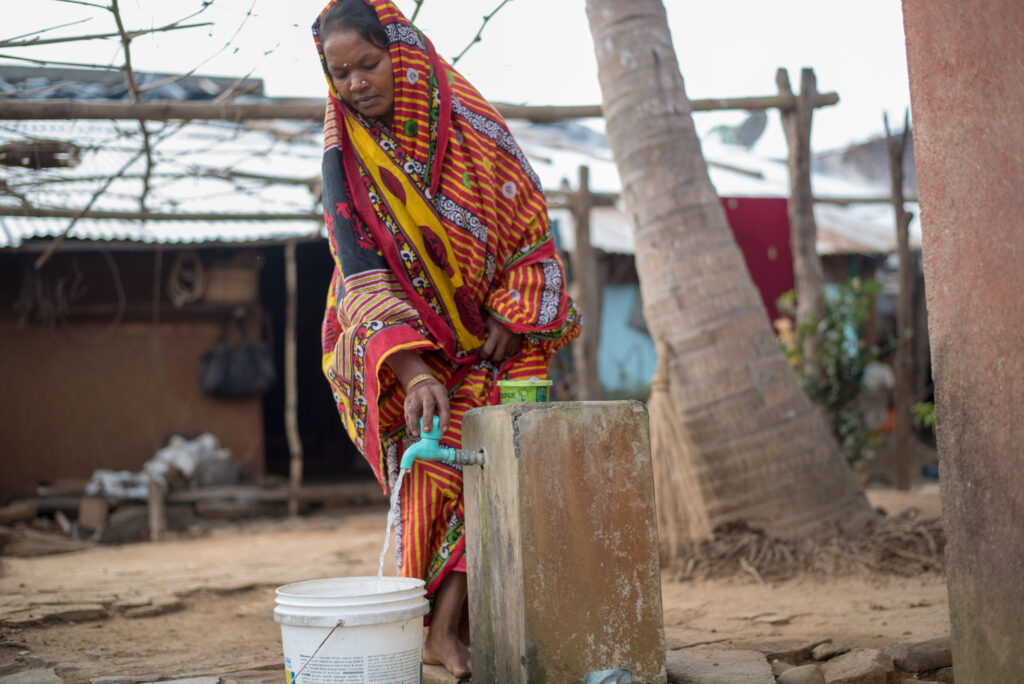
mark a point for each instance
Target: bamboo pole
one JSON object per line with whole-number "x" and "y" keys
{"x": 587, "y": 292}
{"x": 291, "y": 396}
{"x": 313, "y": 109}
{"x": 896, "y": 146}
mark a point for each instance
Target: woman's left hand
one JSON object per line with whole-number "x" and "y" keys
{"x": 501, "y": 342}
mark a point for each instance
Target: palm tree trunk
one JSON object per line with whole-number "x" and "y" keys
{"x": 733, "y": 434}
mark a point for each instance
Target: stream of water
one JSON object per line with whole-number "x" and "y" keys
{"x": 393, "y": 514}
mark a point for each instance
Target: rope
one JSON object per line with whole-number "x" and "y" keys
{"x": 186, "y": 283}
{"x": 70, "y": 289}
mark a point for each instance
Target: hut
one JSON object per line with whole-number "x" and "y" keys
{"x": 102, "y": 344}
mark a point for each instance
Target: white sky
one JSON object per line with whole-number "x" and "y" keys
{"x": 534, "y": 51}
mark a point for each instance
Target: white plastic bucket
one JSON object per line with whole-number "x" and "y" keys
{"x": 377, "y": 637}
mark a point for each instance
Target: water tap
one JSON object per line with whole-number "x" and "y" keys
{"x": 429, "y": 449}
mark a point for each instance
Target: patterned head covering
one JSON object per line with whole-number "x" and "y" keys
{"x": 436, "y": 221}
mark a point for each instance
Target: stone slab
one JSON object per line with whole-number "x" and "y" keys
{"x": 803, "y": 674}
{"x": 922, "y": 656}
{"x": 562, "y": 543}
{"x": 828, "y": 650}
{"x": 435, "y": 674}
{"x": 861, "y": 666}
{"x": 794, "y": 652}
{"x": 39, "y": 676}
{"x": 718, "y": 667}
{"x": 158, "y": 606}
{"x": 38, "y": 615}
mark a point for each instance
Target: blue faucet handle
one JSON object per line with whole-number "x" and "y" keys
{"x": 434, "y": 434}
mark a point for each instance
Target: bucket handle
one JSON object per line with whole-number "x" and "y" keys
{"x": 340, "y": 623}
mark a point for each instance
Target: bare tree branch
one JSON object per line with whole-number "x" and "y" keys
{"x": 36, "y": 91}
{"x": 415, "y": 12}
{"x": 174, "y": 79}
{"x": 193, "y": 172}
{"x": 75, "y": 215}
{"x": 229, "y": 174}
{"x": 6, "y": 189}
{"x": 230, "y": 94}
{"x": 83, "y": 2}
{"x": 45, "y": 256}
{"x": 479, "y": 34}
{"x": 129, "y": 76}
{"x": 45, "y": 30}
{"x": 82, "y": 65}
{"x": 102, "y": 214}
{"x": 97, "y": 36}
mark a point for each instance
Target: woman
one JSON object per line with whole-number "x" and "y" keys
{"x": 446, "y": 280}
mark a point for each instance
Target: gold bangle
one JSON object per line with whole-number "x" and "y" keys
{"x": 418, "y": 379}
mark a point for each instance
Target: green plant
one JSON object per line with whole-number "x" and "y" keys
{"x": 924, "y": 415}
{"x": 833, "y": 378}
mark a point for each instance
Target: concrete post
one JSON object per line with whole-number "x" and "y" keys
{"x": 562, "y": 543}
{"x": 965, "y": 86}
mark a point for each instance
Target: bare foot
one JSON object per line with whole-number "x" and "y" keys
{"x": 464, "y": 626}
{"x": 447, "y": 650}
{"x": 443, "y": 646}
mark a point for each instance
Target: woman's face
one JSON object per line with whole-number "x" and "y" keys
{"x": 361, "y": 73}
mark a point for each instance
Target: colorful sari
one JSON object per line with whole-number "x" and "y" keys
{"x": 434, "y": 222}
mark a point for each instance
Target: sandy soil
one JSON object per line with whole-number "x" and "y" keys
{"x": 219, "y": 591}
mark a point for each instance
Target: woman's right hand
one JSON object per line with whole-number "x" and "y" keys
{"x": 426, "y": 399}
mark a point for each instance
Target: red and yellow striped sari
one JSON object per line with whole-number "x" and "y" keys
{"x": 434, "y": 222}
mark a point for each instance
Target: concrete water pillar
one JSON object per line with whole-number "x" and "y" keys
{"x": 562, "y": 543}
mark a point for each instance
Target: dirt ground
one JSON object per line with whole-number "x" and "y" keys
{"x": 217, "y": 591}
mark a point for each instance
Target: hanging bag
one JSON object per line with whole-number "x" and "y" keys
{"x": 240, "y": 368}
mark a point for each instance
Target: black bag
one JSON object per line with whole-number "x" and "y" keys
{"x": 240, "y": 369}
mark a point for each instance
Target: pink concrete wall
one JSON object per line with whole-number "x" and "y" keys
{"x": 966, "y": 64}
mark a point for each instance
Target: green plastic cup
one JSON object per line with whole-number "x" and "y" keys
{"x": 521, "y": 391}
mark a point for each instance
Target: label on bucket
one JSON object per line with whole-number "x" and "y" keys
{"x": 402, "y": 667}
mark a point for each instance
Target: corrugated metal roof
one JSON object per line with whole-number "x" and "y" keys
{"x": 184, "y": 157}
{"x": 557, "y": 153}
{"x": 214, "y": 167}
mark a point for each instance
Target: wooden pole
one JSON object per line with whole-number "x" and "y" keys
{"x": 291, "y": 398}
{"x": 803, "y": 231}
{"x": 587, "y": 293}
{"x": 157, "y": 508}
{"x": 896, "y": 146}
{"x": 313, "y": 109}
{"x": 87, "y": 213}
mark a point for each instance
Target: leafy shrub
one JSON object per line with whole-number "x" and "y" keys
{"x": 840, "y": 355}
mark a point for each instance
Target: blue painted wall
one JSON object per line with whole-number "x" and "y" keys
{"x": 625, "y": 355}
